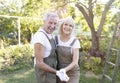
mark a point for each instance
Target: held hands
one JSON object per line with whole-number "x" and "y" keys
{"x": 62, "y": 75}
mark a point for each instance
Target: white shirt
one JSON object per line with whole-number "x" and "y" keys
{"x": 40, "y": 37}
{"x": 67, "y": 44}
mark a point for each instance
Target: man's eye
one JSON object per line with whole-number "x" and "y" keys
{"x": 66, "y": 24}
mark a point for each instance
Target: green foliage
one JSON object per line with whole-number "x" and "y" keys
{"x": 15, "y": 57}
{"x": 37, "y": 8}
{"x": 92, "y": 63}
{"x": 7, "y": 28}
{"x": 72, "y": 12}
{"x": 28, "y": 27}
{"x": 103, "y": 45}
{"x": 85, "y": 42}
{"x": 31, "y": 14}
{"x": 96, "y": 64}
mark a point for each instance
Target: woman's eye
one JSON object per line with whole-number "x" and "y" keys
{"x": 70, "y": 25}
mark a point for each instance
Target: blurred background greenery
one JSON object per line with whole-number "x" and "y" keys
{"x": 19, "y": 19}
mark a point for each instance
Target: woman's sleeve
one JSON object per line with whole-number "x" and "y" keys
{"x": 76, "y": 44}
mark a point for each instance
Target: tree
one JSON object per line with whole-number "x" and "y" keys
{"x": 30, "y": 13}
{"x": 88, "y": 14}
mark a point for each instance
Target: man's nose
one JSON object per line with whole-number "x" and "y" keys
{"x": 53, "y": 26}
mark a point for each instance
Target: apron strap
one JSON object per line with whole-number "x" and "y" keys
{"x": 73, "y": 42}
{"x": 45, "y": 35}
{"x": 56, "y": 39}
{"x": 48, "y": 38}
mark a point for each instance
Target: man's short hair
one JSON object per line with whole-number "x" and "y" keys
{"x": 49, "y": 14}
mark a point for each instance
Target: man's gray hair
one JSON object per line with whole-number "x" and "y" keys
{"x": 49, "y": 14}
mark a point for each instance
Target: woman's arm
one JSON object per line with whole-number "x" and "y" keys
{"x": 74, "y": 60}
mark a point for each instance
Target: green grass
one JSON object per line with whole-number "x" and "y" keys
{"x": 85, "y": 79}
{"x": 27, "y": 75}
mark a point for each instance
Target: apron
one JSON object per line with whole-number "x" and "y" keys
{"x": 43, "y": 76}
{"x": 64, "y": 58}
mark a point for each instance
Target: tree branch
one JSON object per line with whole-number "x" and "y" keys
{"x": 100, "y": 27}
{"x": 88, "y": 17}
{"x": 82, "y": 5}
{"x": 91, "y": 16}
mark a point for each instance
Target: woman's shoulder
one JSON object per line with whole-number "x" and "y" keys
{"x": 74, "y": 38}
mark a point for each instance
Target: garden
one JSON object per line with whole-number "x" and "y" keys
{"x": 95, "y": 23}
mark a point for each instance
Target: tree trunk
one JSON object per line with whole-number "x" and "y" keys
{"x": 89, "y": 16}
{"x": 94, "y": 51}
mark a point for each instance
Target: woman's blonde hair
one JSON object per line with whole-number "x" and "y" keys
{"x": 68, "y": 20}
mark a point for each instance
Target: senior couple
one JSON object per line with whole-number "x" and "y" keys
{"x": 56, "y": 57}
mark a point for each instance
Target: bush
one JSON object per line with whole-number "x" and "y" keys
{"x": 16, "y": 57}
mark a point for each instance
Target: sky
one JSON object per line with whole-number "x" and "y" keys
{"x": 100, "y": 1}
{"x": 103, "y": 1}
{"x": 19, "y": 2}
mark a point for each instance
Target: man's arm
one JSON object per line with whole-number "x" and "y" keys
{"x": 39, "y": 54}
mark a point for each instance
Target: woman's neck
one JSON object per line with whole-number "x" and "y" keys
{"x": 64, "y": 38}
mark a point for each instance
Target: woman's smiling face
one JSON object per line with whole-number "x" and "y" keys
{"x": 67, "y": 28}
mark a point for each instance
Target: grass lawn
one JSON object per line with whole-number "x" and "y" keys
{"x": 27, "y": 75}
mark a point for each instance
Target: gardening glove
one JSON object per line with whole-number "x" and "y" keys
{"x": 63, "y": 71}
{"x": 62, "y": 76}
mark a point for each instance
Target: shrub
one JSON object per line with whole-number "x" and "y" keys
{"x": 15, "y": 56}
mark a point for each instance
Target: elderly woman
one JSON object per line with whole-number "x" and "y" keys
{"x": 68, "y": 51}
